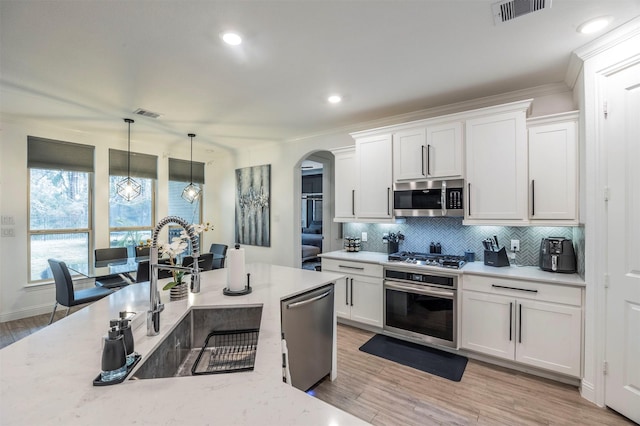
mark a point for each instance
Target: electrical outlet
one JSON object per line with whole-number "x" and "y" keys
{"x": 515, "y": 245}
{"x": 364, "y": 237}
{"x": 384, "y": 238}
{"x": 8, "y": 232}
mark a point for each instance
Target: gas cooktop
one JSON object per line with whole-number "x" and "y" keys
{"x": 428, "y": 259}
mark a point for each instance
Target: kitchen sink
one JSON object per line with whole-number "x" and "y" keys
{"x": 206, "y": 341}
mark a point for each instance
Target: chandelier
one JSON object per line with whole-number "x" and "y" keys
{"x": 127, "y": 188}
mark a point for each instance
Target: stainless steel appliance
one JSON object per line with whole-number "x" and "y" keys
{"x": 557, "y": 255}
{"x": 307, "y": 328}
{"x": 420, "y": 302}
{"x": 428, "y": 259}
{"x": 428, "y": 198}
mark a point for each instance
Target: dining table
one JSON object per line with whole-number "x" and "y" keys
{"x": 123, "y": 266}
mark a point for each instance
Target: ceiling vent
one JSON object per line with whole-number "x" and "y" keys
{"x": 146, "y": 113}
{"x": 511, "y": 9}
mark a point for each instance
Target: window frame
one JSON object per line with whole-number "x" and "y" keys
{"x": 89, "y": 231}
{"x": 150, "y": 228}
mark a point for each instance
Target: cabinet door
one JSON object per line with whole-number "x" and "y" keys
{"x": 409, "y": 149}
{"x": 345, "y": 167}
{"x": 366, "y": 300}
{"x": 549, "y": 336}
{"x": 488, "y": 324}
{"x": 373, "y": 184}
{"x": 553, "y": 171}
{"x": 496, "y": 158}
{"x": 341, "y": 298}
{"x": 444, "y": 151}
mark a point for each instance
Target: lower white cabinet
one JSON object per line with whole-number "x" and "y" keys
{"x": 537, "y": 324}
{"x": 358, "y": 297}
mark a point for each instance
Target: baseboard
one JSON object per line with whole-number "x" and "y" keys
{"x": 588, "y": 391}
{"x": 27, "y": 312}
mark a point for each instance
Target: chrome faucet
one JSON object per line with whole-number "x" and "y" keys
{"x": 155, "y": 307}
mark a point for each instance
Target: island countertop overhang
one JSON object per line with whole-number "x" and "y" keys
{"x": 47, "y": 377}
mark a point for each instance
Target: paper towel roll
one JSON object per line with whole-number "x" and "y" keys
{"x": 236, "y": 276}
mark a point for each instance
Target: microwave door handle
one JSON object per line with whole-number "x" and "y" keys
{"x": 443, "y": 198}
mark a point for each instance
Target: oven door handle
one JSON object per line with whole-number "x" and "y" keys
{"x": 427, "y": 291}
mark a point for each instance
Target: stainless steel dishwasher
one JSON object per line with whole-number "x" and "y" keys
{"x": 307, "y": 328}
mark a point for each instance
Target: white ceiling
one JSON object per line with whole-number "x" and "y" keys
{"x": 84, "y": 65}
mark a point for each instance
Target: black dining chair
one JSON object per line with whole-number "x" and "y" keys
{"x": 142, "y": 251}
{"x": 219, "y": 255}
{"x": 142, "y": 274}
{"x": 65, "y": 293}
{"x": 105, "y": 256}
{"x": 205, "y": 261}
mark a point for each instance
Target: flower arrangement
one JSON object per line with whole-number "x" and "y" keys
{"x": 174, "y": 249}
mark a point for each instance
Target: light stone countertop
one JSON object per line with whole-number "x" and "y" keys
{"x": 46, "y": 378}
{"x": 527, "y": 273}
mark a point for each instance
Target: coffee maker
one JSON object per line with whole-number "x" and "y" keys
{"x": 557, "y": 255}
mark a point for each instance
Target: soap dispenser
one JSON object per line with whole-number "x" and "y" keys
{"x": 114, "y": 356}
{"x": 125, "y": 329}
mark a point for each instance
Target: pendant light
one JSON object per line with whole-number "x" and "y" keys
{"x": 191, "y": 192}
{"x": 127, "y": 188}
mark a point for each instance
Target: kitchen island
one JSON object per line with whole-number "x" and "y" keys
{"x": 46, "y": 378}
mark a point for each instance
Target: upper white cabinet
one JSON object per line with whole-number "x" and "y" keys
{"x": 553, "y": 171}
{"x": 345, "y": 183}
{"x": 374, "y": 195}
{"x": 444, "y": 151}
{"x": 409, "y": 154}
{"x": 496, "y": 165}
{"x": 429, "y": 151}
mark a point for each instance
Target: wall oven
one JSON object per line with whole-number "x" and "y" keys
{"x": 421, "y": 306}
{"x": 428, "y": 198}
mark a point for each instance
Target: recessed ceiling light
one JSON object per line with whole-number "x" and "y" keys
{"x": 232, "y": 38}
{"x": 594, "y": 25}
{"x": 334, "y": 99}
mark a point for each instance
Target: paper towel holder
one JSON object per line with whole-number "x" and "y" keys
{"x": 247, "y": 289}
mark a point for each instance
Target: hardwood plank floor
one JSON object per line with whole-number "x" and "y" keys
{"x": 382, "y": 392}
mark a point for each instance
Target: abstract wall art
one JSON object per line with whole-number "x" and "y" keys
{"x": 253, "y": 193}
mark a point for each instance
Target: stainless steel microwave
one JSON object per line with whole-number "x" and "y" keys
{"x": 429, "y": 198}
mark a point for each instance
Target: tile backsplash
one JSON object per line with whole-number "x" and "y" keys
{"x": 456, "y": 238}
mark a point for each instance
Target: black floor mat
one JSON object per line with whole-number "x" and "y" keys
{"x": 444, "y": 364}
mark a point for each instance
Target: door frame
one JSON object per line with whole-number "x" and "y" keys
{"x": 616, "y": 50}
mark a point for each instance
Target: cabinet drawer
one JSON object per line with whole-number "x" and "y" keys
{"x": 524, "y": 289}
{"x": 352, "y": 268}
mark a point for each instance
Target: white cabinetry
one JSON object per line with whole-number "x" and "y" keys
{"x": 553, "y": 171}
{"x": 345, "y": 183}
{"x": 533, "y": 323}
{"x": 430, "y": 151}
{"x": 374, "y": 176}
{"x": 496, "y": 159}
{"x": 358, "y": 297}
{"x": 409, "y": 155}
{"x": 444, "y": 151}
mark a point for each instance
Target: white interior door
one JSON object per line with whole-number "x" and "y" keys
{"x": 621, "y": 133}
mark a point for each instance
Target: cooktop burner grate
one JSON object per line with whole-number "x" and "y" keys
{"x": 428, "y": 259}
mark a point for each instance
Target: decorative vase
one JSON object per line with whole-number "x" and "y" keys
{"x": 179, "y": 292}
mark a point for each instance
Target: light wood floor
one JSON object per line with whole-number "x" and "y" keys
{"x": 382, "y": 392}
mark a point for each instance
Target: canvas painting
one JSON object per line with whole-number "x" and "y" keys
{"x": 253, "y": 192}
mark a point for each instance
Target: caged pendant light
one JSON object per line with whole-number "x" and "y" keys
{"x": 191, "y": 192}
{"x": 127, "y": 188}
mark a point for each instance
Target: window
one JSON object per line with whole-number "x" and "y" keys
{"x": 131, "y": 222}
{"x": 60, "y": 185}
{"x": 181, "y": 174}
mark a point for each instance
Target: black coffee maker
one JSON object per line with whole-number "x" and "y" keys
{"x": 557, "y": 255}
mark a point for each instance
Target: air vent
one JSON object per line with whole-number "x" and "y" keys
{"x": 146, "y": 113}
{"x": 511, "y": 9}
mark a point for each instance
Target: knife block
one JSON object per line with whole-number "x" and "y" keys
{"x": 496, "y": 258}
